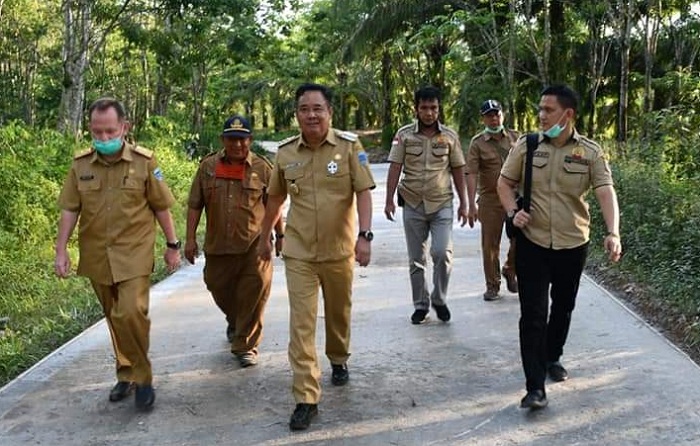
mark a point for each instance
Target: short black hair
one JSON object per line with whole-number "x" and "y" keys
{"x": 325, "y": 91}
{"x": 427, "y": 93}
{"x": 105, "y": 103}
{"x": 566, "y": 96}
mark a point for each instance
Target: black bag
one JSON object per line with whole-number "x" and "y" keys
{"x": 523, "y": 201}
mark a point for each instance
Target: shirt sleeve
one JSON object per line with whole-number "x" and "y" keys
{"x": 278, "y": 186}
{"x": 157, "y": 192}
{"x": 456, "y": 154}
{"x": 397, "y": 154}
{"x": 196, "y": 197}
{"x": 359, "y": 168}
{"x": 600, "y": 172}
{"x": 473, "y": 158}
{"x": 513, "y": 167}
{"x": 69, "y": 198}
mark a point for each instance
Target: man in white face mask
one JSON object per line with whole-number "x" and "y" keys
{"x": 487, "y": 152}
{"x": 554, "y": 234}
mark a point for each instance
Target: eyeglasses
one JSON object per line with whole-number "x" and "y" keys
{"x": 312, "y": 110}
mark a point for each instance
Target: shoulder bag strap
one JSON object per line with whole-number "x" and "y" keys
{"x": 532, "y": 143}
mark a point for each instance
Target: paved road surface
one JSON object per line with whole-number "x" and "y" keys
{"x": 436, "y": 384}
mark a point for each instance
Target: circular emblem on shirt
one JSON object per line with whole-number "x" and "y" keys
{"x": 332, "y": 168}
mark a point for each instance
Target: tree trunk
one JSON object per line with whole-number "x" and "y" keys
{"x": 652, "y": 23}
{"x": 76, "y": 36}
{"x": 387, "y": 111}
{"x": 625, "y": 10}
{"x": 199, "y": 88}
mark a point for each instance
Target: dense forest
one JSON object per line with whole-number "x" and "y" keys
{"x": 182, "y": 66}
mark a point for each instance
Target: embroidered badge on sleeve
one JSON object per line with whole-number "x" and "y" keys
{"x": 158, "y": 174}
{"x": 362, "y": 156}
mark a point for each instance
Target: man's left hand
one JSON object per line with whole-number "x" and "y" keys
{"x": 613, "y": 246}
{"x": 172, "y": 259}
{"x": 363, "y": 251}
{"x": 462, "y": 215}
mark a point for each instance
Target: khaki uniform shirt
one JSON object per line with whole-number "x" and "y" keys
{"x": 321, "y": 184}
{"x": 427, "y": 165}
{"x": 116, "y": 203}
{"x": 234, "y": 208}
{"x": 485, "y": 158}
{"x": 561, "y": 177}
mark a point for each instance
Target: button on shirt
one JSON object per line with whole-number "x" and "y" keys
{"x": 561, "y": 177}
{"x": 234, "y": 207}
{"x": 116, "y": 202}
{"x": 427, "y": 165}
{"x": 485, "y": 158}
{"x": 321, "y": 183}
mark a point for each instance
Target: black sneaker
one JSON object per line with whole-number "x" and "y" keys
{"x": 145, "y": 397}
{"x": 534, "y": 400}
{"x": 557, "y": 372}
{"x": 301, "y": 418}
{"x": 443, "y": 313}
{"x": 340, "y": 375}
{"x": 121, "y": 390}
{"x": 419, "y": 316}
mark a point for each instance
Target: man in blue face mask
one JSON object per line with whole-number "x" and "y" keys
{"x": 487, "y": 152}
{"x": 553, "y": 238}
{"x": 117, "y": 190}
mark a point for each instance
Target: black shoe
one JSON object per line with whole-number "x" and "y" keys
{"x": 145, "y": 397}
{"x": 247, "y": 359}
{"x": 443, "y": 313}
{"x": 534, "y": 400}
{"x": 419, "y": 316}
{"x": 557, "y": 372}
{"x": 121, "y": 390}
{"x": 230, "y": 333}
{"x": 340, "y": 375}
{"x": 301, "y": 418}
{"x": 511, "y": 280}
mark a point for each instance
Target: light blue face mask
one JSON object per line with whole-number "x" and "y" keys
{"x": 498, "y": 129}
{"x": 554, "y": 130}
{"x": 109, "y": 147}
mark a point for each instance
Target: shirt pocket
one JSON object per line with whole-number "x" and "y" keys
{"x": 439, "y": 158}
{"x": 133, "y": 191}
{"x": 540, "y": 173}
{"x": 338, "y": 183}
{"x": 574, "y": 178}
{"x": 253, "y": 189}
{"x": 294, "y": 177}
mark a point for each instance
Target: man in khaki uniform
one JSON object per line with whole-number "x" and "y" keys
{"x": 487, "y": 151}
{"x": 117, "y": 191}
{"x": 429, "y": 154}
{"x": 323, "y": 171}
{"x": 553, "y": 241}
{"x": 231, "y": 186}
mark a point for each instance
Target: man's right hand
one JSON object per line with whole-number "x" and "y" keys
{"x": 390, "y": 210}
{"x": 265, "y": 248}
{"x": 472, "y": 215}
{"x": 191, "y": 250}
{"x": 61, "y": 264}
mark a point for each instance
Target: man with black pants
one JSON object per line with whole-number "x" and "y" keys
{"x": 554, "y": 235}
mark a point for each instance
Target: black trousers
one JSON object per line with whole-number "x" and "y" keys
{"x": 541, "y": 339}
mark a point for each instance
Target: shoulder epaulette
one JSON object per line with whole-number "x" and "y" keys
{"x": 286, "y": 141}
{"x": 143, "y": 151}
{"x": 406, "y": 127}
{"x": 590, "y": 144}
{"x": 83, "y": 153}
{"x": 348, "y": 136}
{"x": 264, "y": 159}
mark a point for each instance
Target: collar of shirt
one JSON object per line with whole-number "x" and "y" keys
{"x": 416, "y": 127}
{"x": 330, "y": 139}
{"x": 221, "y": 156}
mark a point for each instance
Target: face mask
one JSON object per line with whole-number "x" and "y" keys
{"x": 498, "y": 129}
{"x": 109, "y": 147}
{"x": 554, "y": 130}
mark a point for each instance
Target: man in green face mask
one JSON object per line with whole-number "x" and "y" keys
{"x": 487, "y": 151}
{"x": 117, "y": 190}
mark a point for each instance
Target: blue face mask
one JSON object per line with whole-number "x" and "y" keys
{"x": 109, "y": 147}
{"x": 498, "y": 129}
{"x": 554, "y": 130}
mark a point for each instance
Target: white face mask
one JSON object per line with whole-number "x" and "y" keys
{"x": 498, "y": 129}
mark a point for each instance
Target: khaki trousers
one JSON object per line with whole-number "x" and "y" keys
{"x": 240, "y": 285}
{"x": 125, "y": 306}
{"x": 492, "y": 218}
{"x": 303, "y": 281}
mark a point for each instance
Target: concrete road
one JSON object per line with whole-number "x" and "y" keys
{"x": 436, "y": 384}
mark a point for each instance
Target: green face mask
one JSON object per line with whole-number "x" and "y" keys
{"x": 498, "y": 129}
{"x": 109, "y": 147}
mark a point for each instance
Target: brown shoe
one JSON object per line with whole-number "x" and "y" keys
{"x": 491, "y": 294}
{"x": 511, "y": 280}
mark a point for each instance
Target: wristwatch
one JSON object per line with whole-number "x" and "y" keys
{"x": 367, "y": 235}
{"x": 177, "y": 244}
{"x": 510, "y": 214}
